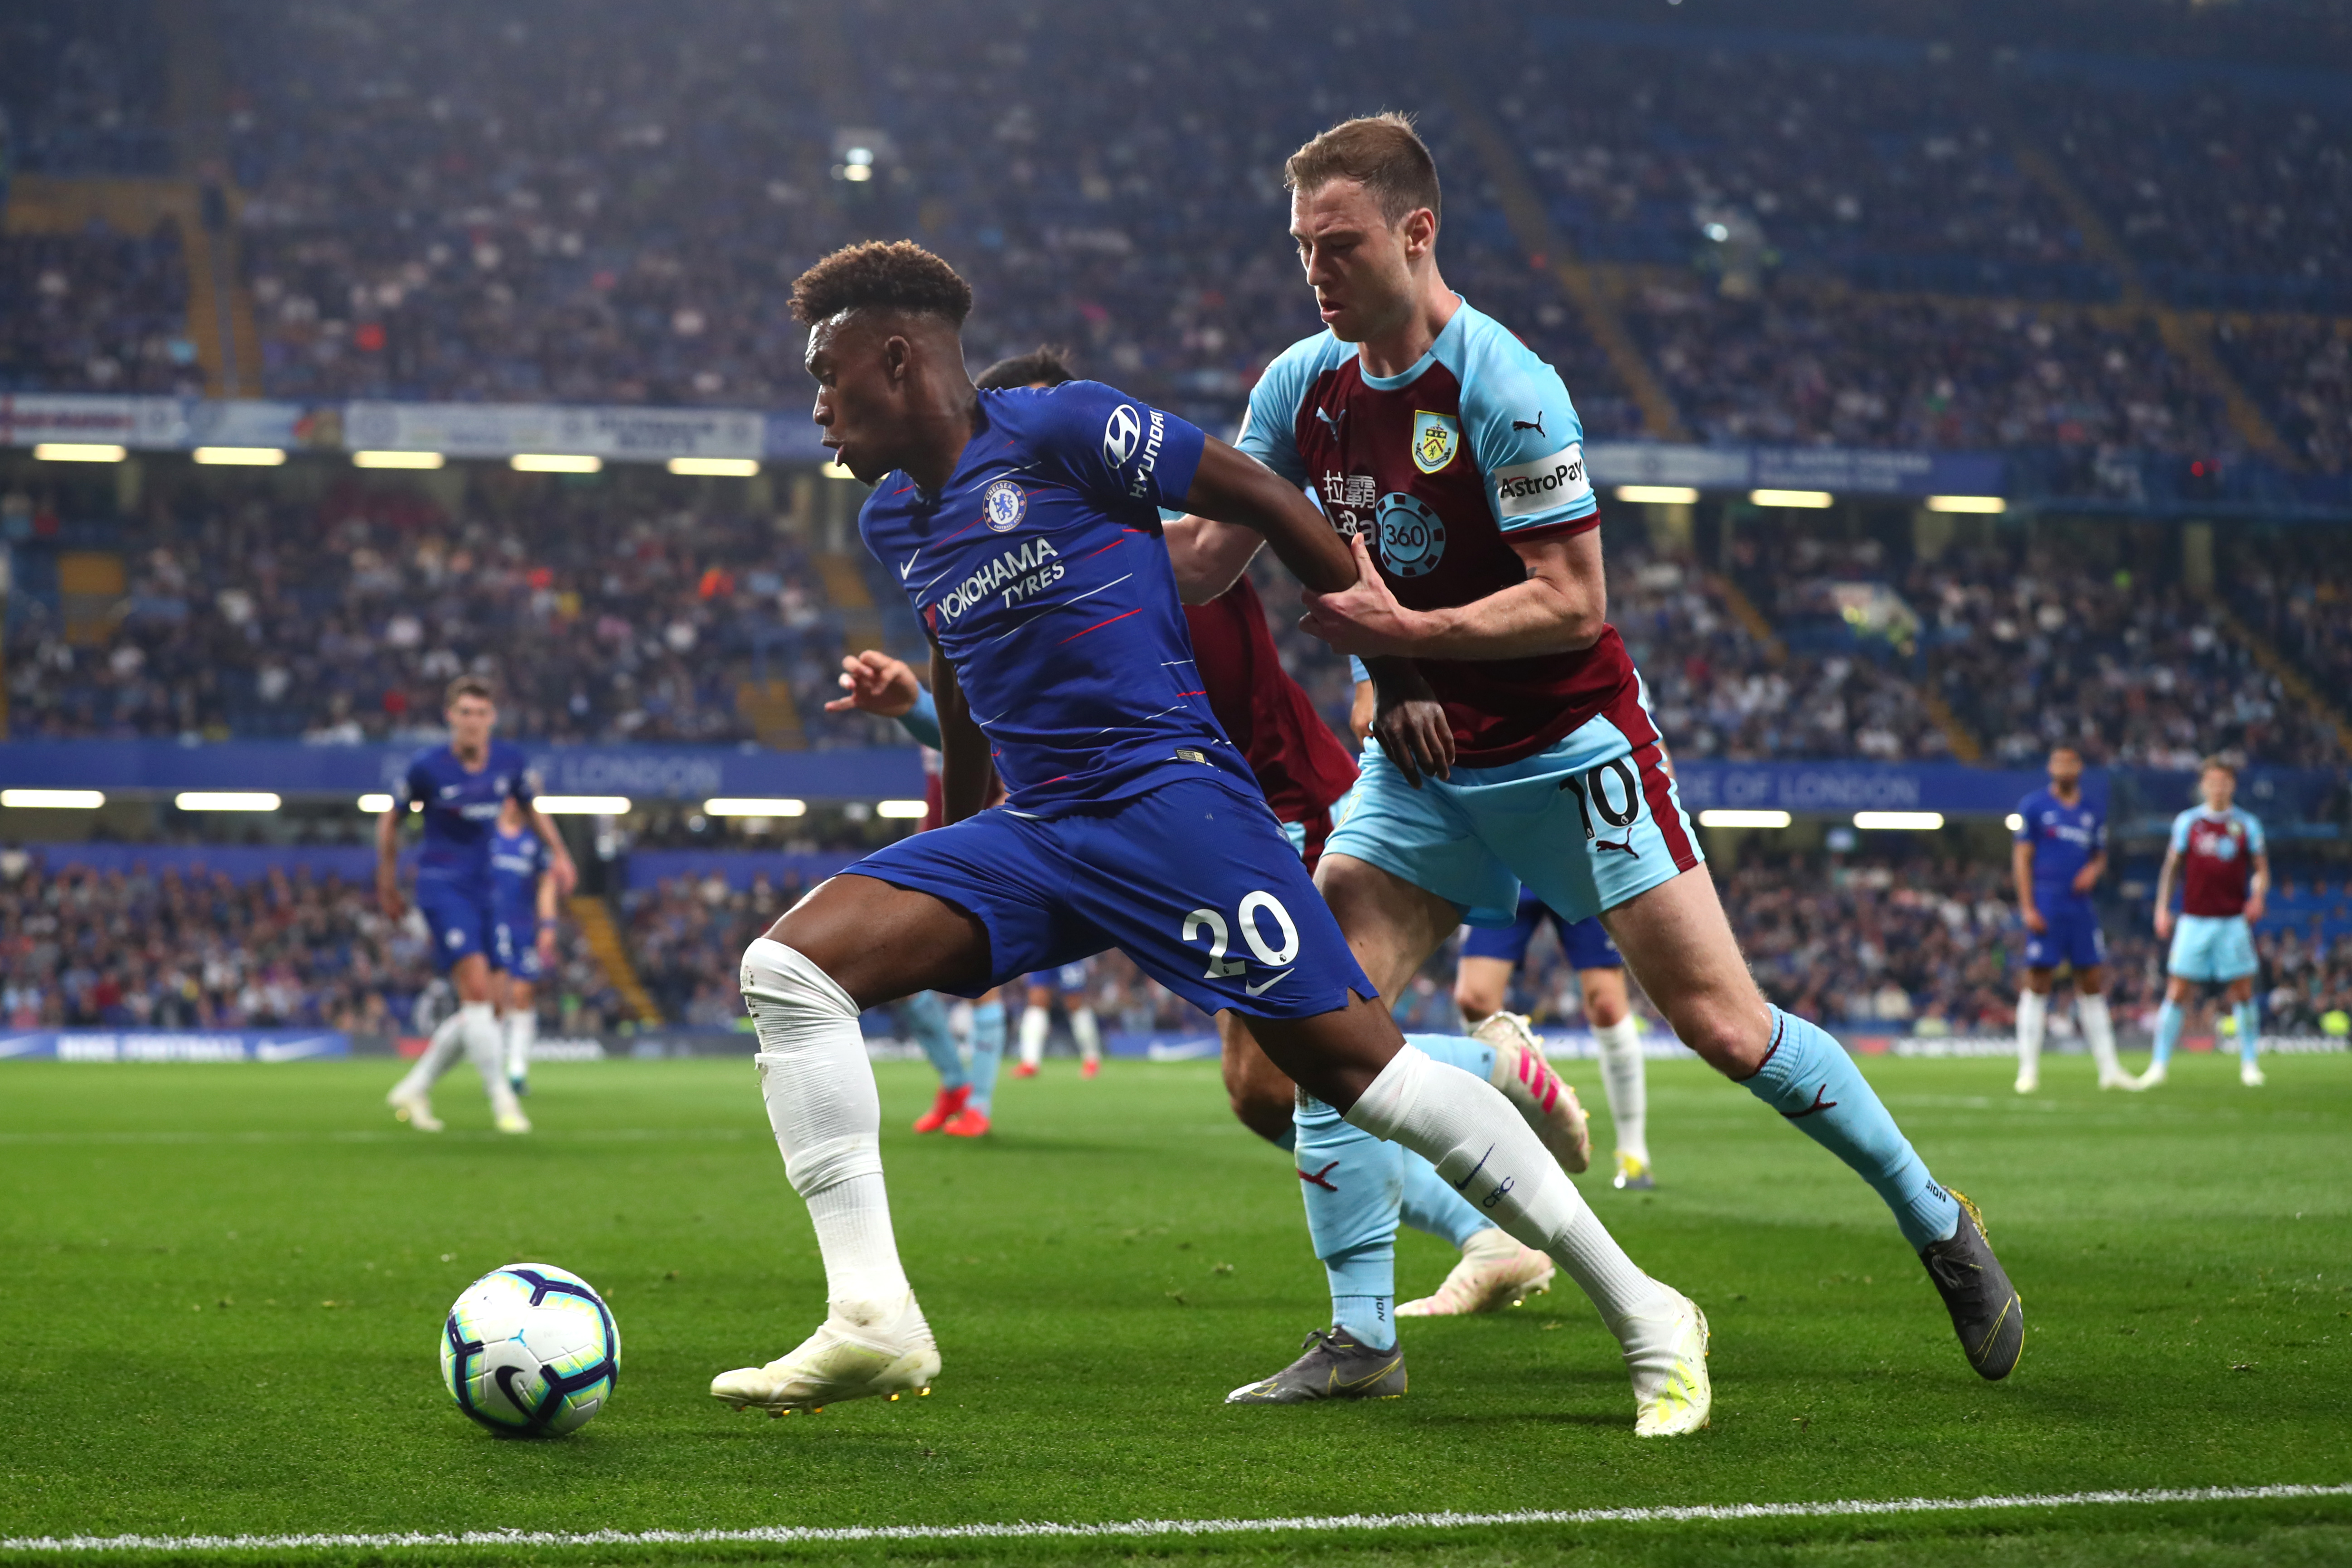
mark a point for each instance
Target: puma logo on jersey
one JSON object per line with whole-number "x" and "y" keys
{"x": 1331, "y": 421}
{"x": 1535, "y": 425}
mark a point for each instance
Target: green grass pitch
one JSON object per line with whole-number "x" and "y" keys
{"x": 222, "y": 1287}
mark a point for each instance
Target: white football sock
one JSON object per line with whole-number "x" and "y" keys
{"x": 2099, "y": 1033}
{"x": 1624, "y": 1079}
{"x": 440, "y": 1055}
{"x": 2032, "y": 1013}
{"x": 522, "y": 1032}
{"x": 828, "y": 1117}
{"x": 1087, "y": 1032}
{"x": 1035, "y": 1022}
{"x": 486, "y": 1047}
{"x": 1469, "y": 1131}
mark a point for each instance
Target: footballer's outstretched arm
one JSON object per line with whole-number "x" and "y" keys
{"x": 967, "y": 778}
{"x": 1232, "y": 489}
{"x": 1562, "y": 606}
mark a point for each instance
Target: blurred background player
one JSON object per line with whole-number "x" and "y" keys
{"x": 1069, "y": 982}
{"x": 1482, "y": 983}
{"x": 2060, "y": 852}
{"x": 460, "y": 789}
{"x": 878, "y": 684}
{"x": 2225, "y": 876}
{"x": 522, "y": 897}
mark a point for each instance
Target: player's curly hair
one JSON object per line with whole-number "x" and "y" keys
{"x": 893, "y": 275}
{"x": 1048, "y": 364}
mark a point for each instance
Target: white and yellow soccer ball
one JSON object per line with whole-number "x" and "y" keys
{"x": 531, "y": 1350}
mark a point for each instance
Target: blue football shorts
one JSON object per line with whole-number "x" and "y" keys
{"x": 2212, "y": 949}
{"x": 1068, "y": 980}
{"x": 1584, "y": 942}
{"x": 1584, "y": 826}
{"x": 514, "y": 944}
{"x": 1194, "y": 881}
{"x": 459, "y": 919}
{"x": 2073, "y": 936}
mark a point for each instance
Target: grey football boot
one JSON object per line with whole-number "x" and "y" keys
{"x": 1336, "y": 1366}
{"x": 1985, "y": 1311}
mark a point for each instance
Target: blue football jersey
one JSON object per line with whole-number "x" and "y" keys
{"x": 461, "y": 808}
{"x": 2065, "y": 839}
{"x": 517, "y": 861}
{"x": 1040, "y": 570}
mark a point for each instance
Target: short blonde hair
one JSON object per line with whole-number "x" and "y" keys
{"x": 1380, "y": 152}
{"x": 2217, "y": 761}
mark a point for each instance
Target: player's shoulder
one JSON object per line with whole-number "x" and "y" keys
{"x": 431, "y": 759}
{"x": 1497, "y": 369}
{"x": 2246, "y": 819}
{"x": 2034, "y": 800}
{"x": 1291, "y": 374}
{"x": 2187, "y": 819}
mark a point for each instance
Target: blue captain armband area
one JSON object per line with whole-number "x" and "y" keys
{"x": 922, "y": 720}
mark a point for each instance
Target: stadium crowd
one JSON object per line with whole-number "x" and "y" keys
{"x": 96, "y": 313}
{"x": 140, "y": 950}
{"x": 605, "y": 612}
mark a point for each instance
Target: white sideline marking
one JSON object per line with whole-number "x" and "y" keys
{"x": 789, "y": 1534}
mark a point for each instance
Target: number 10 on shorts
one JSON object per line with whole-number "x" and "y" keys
{"x": 1221, "y": 935}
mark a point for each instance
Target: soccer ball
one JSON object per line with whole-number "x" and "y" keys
{"x": 532, "y": 1350}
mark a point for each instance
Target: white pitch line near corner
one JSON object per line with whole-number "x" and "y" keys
{"x": 790, "y": 1534}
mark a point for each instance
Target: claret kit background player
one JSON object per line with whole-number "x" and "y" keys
{"x": 460, "y": 789}
{"x": 1452, "y": 460}
{"x": 2225, "y": 876}
{"x": 1025, "y": 526}
{"x": 2060, "y": 852}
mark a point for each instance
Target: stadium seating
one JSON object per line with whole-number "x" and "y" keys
{"x": 200, "y": 950}
{"x": 95, "y": 312}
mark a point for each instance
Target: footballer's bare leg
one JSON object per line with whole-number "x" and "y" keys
{"x": 1263, "y": 1099}
{"x": 853, "y": 943}
{"x": 1679, "y": 946}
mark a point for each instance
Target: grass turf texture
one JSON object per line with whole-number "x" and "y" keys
{"x": 225, "y": 1287}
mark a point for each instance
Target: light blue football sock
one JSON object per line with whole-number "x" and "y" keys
{"x": 1808, "y": 1078}
{"x": 1353, "y": 1183}
{"x": 987, "y": 1052}
{"x": 1457, "y": 1050}
{"x": 2169, "y": 1019}
{"x": 2249, "y": 1030}
{"x": 926, "y": 1017}
{"x": 1433, "y": 1208}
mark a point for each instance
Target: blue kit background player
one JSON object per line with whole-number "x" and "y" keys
{"x": 2225, "y": 877}
{"x": 1025, "y": 528}
{"x": 458, "y": 790}
{"x": 2060, "y": 855}
{"x": 523, "y": 902}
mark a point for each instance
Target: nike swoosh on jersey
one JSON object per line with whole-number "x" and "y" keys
{"x": 1262, "y": 990}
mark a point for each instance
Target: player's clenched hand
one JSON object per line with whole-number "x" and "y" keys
{"x": 2034, "y": 920}
{"x": 1363, "y": 620}
{"x": 547, "y": 953}
{"x": 2163, "y": 925}
{"x": 1410, "y": 724}
{"x": 878, "y": 684}
{"x": 387, "y": 898}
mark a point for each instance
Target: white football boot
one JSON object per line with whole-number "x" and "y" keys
{"x": 1666, "y": 1353}
{"x": 1496, "y": 1272}
{"x": 2154, "y": 1075}
{"x": 2250, "y": 1074}
{"x": 1540, "y": 1095}
{"x": 2027, "y": 1082}
{"x": 862, "y": 1349}
{"x": 416, "y": 1109}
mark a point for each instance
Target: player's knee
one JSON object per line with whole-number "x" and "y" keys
{"x": 784, "y": 977}
{"x": 1262, "y": 1098}
{"x": 1731, "y": 1039}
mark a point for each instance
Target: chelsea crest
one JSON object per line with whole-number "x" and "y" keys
{"x": 1003, "y": 505}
